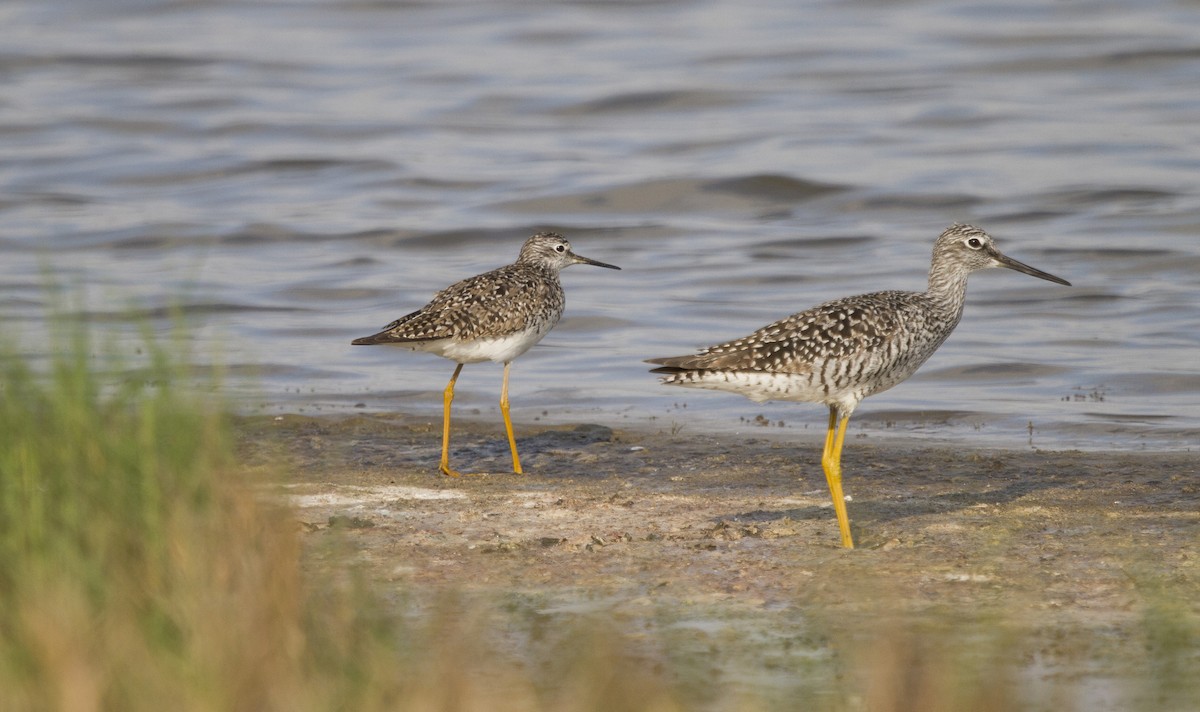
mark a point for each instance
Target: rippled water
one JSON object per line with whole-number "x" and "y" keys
{"x": 300, "y": 173}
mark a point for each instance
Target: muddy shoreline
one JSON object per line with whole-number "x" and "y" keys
{"x": 1065, "y": 552}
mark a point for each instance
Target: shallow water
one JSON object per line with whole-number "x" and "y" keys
{"x": 297, "y": 174}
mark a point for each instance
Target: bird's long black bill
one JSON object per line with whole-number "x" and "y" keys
{"x": 1012, "y": 264}
{"x": 581, "y": 260}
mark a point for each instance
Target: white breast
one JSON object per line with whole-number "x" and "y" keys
{"x": 501, "y": 349}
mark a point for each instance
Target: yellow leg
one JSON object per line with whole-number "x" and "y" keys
{"x": 512, "y": 441}
{"x": 447, "y": 398}
{"x": 831, "y": 462}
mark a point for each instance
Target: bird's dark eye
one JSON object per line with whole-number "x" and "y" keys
{"x": 560, "y": 248}
{"x": 974, "y": 243}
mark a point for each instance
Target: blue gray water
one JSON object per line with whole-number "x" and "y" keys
{"x": 296, "y": 174}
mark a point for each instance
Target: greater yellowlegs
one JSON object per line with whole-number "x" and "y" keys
{"x": 842, "y": 351}
{"x": 495, "y": 316}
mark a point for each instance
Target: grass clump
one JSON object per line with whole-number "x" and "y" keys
{"x": 138, "y": 567}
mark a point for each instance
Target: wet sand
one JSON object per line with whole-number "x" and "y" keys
{"x": 1067, "y": 552}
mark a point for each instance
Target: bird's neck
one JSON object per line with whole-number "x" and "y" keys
{"x": 948, "y": 288}
{"x": 539, "y": 267}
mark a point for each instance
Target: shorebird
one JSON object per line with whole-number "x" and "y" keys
{"x": 495, "y": 316}
{"x": 842, "y": 351}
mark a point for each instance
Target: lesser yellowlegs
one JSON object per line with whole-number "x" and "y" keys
{"x": 842, "y": 351}
{"x": 495, "y": 316}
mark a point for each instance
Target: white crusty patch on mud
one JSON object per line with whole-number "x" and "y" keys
{"x": 352, "y": 495}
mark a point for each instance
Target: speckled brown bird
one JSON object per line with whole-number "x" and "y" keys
{"x": 495, "y": 316}
{"x": 842, "y": 351}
